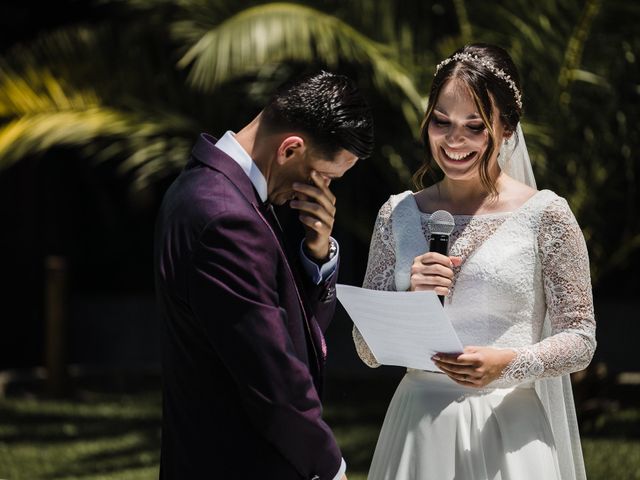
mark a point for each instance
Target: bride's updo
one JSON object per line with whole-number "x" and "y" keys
{"x": 492, "y": 78}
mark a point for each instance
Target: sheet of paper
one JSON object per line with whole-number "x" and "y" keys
{"x": 401, "y": 328}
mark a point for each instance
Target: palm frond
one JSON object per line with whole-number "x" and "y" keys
{"x": 38, "y": 114}
{"x": 278, "y": 32}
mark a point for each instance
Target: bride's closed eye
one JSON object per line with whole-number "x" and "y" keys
{"x": 439, "y": 122}
{"x": 476, "y": 128}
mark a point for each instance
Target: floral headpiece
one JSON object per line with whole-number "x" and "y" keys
{"x": 498, "y": 72}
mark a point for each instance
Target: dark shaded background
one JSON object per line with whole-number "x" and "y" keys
{"x": 60, "y": 204}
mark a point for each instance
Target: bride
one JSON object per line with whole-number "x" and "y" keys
{"x": 517, "y": 288}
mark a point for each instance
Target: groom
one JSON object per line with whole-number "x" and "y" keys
{"x": 243, "y": 306}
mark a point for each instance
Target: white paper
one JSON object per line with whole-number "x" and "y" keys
{"x": 401, "y": 328}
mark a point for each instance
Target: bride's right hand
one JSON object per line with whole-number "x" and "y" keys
{"x": 433, "y": 271}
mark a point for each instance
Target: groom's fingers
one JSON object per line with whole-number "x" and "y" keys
{"x": 318, "y": 192}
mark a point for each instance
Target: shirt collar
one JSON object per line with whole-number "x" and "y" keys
{"x": 229, "y": 145}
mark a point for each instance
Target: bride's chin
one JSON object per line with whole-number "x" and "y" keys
{"x": 459, "y": 172}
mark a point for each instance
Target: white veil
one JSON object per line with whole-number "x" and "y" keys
{"x": 514, "y": 158}
{"x": 555, "y": 393}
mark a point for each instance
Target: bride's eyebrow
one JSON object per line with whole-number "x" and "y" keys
{"x": 442, "y": 111}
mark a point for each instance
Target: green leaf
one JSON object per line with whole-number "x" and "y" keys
{"x": 277, "y": 32}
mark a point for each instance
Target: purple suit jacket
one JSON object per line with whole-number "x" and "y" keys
{"x": 242, "y": 334}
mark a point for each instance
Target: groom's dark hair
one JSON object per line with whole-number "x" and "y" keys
{"x": 328, "y": 108}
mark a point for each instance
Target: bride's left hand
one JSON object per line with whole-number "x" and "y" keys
{"x": 476, "y": 366}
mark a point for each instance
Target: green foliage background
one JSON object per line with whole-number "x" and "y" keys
{"x": 118, "y": 100}
{"x": 133, "y": 90}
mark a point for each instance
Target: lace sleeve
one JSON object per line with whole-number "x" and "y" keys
{"x": 567, "y": 287}
{"x": 379, "y": 274}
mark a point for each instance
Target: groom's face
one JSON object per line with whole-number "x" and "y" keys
{"x": 298, "y": 169}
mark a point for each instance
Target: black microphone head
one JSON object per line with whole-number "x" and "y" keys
{"x": 441, "y": 223}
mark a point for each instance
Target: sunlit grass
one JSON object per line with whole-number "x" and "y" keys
{"x": 612, "y": 458}
{"x": 109, "y": 437}
{"x": 97, "y": 438}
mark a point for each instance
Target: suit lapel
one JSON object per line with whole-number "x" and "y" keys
{"x": 206, "y": 152}
{"x": 313, "y": 335}
{"x": 290, "y": 223}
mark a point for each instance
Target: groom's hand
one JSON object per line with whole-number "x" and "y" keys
{"x": 316, "y": 204}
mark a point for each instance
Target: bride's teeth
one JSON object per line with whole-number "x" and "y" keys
{"x": 457, "y": 156}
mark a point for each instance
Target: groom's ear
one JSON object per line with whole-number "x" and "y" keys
{"x": 290, "y": 148}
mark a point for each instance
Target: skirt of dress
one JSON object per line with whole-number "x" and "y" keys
{"x": 437, "y": 429}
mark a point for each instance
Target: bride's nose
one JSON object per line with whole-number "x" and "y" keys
{"x": 454, "y": 135}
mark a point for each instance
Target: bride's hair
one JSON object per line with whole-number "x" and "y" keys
{"x": 492, "y": 78}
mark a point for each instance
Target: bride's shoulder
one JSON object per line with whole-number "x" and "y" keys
{"x": 516, "y": 193}
{"x": 391, "y": 204}
{"x": 516, "y": 196}
{"x": 544, "y": 207}
{"x": 400, "y": 201}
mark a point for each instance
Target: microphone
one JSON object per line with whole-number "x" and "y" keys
{"x": 440, "y": 225}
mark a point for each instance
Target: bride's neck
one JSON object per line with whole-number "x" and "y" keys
{"x": 466, "y": 193}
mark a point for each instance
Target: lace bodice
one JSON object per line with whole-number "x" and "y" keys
{"x": 523, "y": 284}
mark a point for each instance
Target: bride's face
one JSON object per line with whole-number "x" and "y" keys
{"x": 457, "y": 135}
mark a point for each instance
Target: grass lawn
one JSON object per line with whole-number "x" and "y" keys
{"x": 97, "y": 435}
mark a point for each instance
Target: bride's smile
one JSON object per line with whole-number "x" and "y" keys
{"x": 458, "y": 157}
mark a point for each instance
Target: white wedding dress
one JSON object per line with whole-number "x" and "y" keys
{"x": 524, "y": 284}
